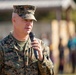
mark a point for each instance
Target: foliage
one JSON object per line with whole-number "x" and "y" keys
{"x": 46, "y": 16}
{"x": 74, "y": 1}
{"x": 73, "y": 15}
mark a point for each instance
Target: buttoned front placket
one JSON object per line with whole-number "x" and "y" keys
{"x": 25, "y": 54}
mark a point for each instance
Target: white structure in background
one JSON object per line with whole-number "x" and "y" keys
{"x": 55, "y": 41}
{"x": 64, "y": 32}
{"x": 61, "y": 29}
{"x": 71, "y": 27}
{"x": 7, "y": 4}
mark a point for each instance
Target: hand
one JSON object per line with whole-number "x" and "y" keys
{"x": 37, "y": 46}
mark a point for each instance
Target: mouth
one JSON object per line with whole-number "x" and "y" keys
{"x": 27, "y": 28}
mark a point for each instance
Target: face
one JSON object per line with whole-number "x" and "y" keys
{"x": 21, "y": 25}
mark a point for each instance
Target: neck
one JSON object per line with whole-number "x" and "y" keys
{"x": 20, "y": 37}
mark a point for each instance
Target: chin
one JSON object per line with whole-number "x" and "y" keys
{"x": 27, "y": 32}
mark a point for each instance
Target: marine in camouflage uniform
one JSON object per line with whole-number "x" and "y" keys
{"x": 18, "y": 57}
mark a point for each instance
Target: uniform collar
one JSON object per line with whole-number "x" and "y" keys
{"x": 13, "y": 43}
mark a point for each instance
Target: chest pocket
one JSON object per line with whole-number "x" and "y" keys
{"x": 17, "y": 59}
{"x": 12, "y": 60}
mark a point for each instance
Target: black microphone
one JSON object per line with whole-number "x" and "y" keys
{"x": 32, "y": 38}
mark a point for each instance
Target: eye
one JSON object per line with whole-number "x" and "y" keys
{"x": 28, "y": 20}
{"x": 31, "y": 20}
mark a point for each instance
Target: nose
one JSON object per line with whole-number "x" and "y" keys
{"x": 28, "y": 23}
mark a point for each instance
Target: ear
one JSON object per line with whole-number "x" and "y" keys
{"x": 13, "y": 19}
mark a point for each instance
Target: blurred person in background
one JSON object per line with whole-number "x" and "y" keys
{"x": 61, "y": 56}
{"x": 72, "y": 49}
{"x": 17, "y": 50}
{"x": 45, "y": 39}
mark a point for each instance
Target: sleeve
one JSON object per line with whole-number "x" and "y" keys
{"x": 46, "y": 66}
{"x": 1, "y": 59}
